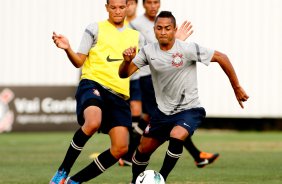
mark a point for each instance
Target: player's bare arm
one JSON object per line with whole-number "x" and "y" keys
{"x": 127, "y": 67}
{"x": 62, "y": 42}
{"x": 227, "y": 67}
{"x": 184, "y": 31}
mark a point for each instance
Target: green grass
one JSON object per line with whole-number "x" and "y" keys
{"x": 246, "y": 157}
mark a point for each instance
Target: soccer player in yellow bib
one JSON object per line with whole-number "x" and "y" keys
{"x": 101, "y": 95}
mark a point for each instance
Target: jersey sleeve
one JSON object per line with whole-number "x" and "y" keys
{"x": 200, "y": 54}
{"x": 89, "y": 38}
{"x": 142, "y": 41}
{"x": 140, "y": 59}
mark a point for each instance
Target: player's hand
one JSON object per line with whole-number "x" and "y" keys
{"x": 241, "y": 95}
{"x": 61, "y": 41}
{"x": 184, "y": 31}
{"x": 129, "y": 54}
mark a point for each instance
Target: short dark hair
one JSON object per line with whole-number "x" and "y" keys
{"x": 145, "y": 1}
{"x": 109, "y": 0}
{"x": 166, "y": 14}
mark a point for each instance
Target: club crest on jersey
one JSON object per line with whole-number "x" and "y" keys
{"x": 177, "y": 60}
{"x": 96, "y": 92}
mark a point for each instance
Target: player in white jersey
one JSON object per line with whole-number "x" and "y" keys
{"x": 174, "y": 73}
{"x": 145, "y": 25}
{"x": 140, "y": 119}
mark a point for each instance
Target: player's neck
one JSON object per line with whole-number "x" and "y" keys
{"x": 116, "y": 24}
{"x": 167, "y": 46}
{"x": 152, "y": 19}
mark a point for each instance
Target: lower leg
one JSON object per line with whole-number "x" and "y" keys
{"x": 173, "y": 153}
{"x": 98, "y": 166}
{"x": 139, "y": 163}
{"x": 193, "y": 150}
{"x": 134, "y": 140}
{"x": 75, "y": 148}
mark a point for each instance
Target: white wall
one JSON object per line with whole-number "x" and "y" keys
{"x": 248, "y": 31}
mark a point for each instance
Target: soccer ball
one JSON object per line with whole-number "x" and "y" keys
{"x": 150, "y": 177}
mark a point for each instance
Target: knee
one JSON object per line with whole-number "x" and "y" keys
{"x": 90, "y": 127}
{"x": 119, "y": 151}
{"x": 179, "y": 133}
{"x": 144, "y": 150}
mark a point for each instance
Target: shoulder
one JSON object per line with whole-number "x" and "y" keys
{"x": 137, "y": 22}
{"x": 92, "y": 25}
{"x": 186, "y": 45}
{"x": 150, "y": 47}
{"x": 92, "y": 28}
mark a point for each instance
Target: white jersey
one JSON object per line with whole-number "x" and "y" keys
{"x": 146, "y": 28}
{"x": 174, "y": 73}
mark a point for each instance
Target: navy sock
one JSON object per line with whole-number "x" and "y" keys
{"x": 173, "y": 153}
{"x": 98, "y": 166}
{"x": 75, "y": 148}
{"x": 134, "y": 141}
{"x": 195, "y": 153}
{"x": 139, "y": 164}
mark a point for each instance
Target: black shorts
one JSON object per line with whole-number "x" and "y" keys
{"x": 115, "y": 110}
{"x": 161, "y": 124}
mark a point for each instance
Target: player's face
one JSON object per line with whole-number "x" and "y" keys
{"x": 151, "y": 7}
{"x": 117, "y": 11}
{"x": 131, "y": 9}
{"x": 164, "y": 31}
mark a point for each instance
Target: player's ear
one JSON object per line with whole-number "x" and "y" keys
{"x": 175, "y": 30}
{"x": 107, "y": 7}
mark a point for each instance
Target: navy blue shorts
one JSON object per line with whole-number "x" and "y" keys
{"x": 135, "y": 91}
{"x": 161, "y": 124}
{"x": 149, "y": 104}
{"x": 115, "y": 110}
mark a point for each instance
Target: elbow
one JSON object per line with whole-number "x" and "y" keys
{"x": 77, "y": 65}
{"x": 224, "y": 57}
{"x": 220, "y": 57}
{"x": 123, "y": 75}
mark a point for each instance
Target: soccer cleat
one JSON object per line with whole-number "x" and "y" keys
{"x": 59, "y": 177}
{"x": 207, "y": 158}
{"x": 122, "y": 162}
{"x": 69, "y": 181}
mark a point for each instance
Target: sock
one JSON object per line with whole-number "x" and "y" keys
{"x": 189, "y": 145}
{"x": 139, "y": 164}
{"x": 134, "y": 140}
{"x": 142, "y": 123}
{"x": 75, "y": 148}
{"x": 136, "y": 122}
{"x": 173, "y": 153}
{"x": 136, "y": 119}
{"x": 98, "y": 166}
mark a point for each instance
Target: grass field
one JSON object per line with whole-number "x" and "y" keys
{"x": 246, "y": 157}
